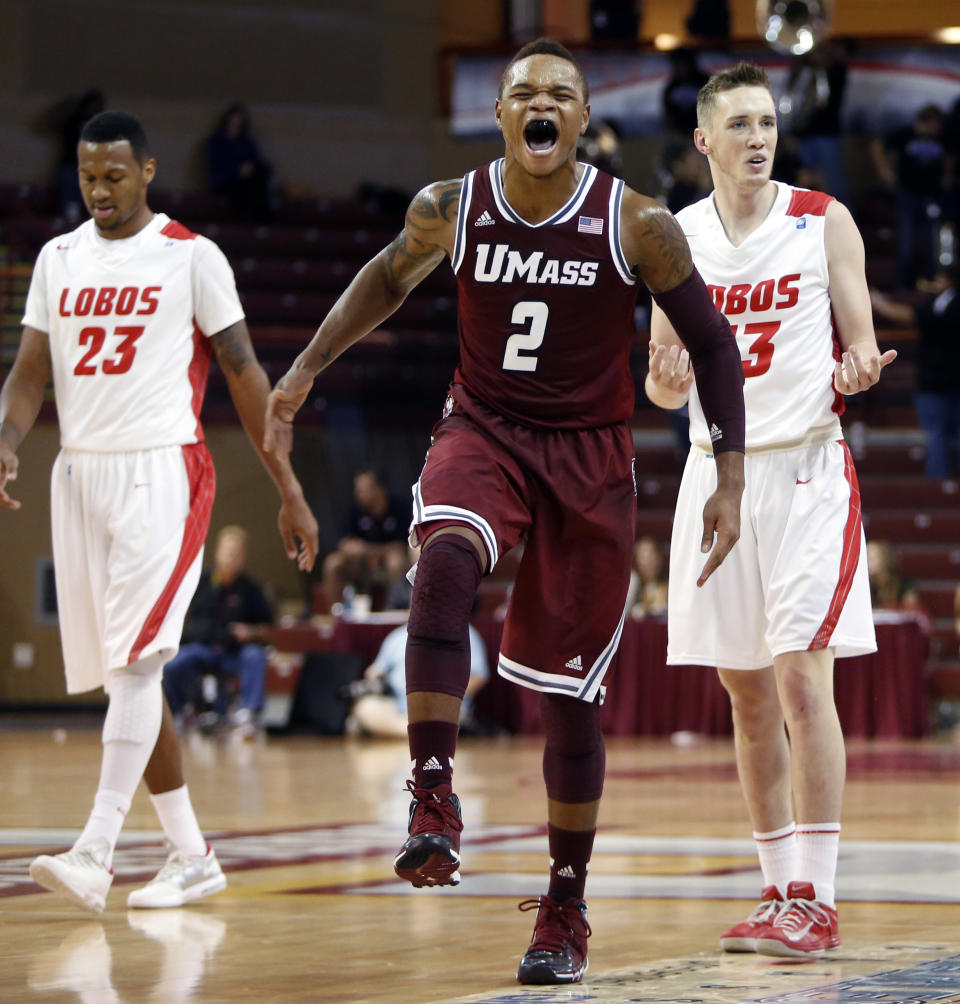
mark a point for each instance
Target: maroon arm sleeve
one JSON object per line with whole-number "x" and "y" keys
{"x": 706, "y": 335}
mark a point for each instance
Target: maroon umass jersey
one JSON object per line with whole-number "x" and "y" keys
{"x": 546, "y": 310}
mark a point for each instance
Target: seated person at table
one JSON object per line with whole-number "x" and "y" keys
{"x": 647, "y": 594}
{"x": 227, "y": 626}
{"x": 380, "y": 708}
{"x": 373, "y": 543}
{"x": 889, "y": 590}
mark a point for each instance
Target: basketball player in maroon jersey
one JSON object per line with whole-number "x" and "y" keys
{"x": 534, "y": 445}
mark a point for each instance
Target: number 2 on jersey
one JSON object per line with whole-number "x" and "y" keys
{"x": 533, "y": 315}
{"x": 120, "y": 361}
{"x": 761, "y": 349}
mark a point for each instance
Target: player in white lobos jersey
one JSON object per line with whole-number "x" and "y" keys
{"x": 124, "y": 313}
{"x": 786, "y": 267}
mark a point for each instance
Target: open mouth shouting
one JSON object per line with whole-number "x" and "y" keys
{"x": 540, "y": 136}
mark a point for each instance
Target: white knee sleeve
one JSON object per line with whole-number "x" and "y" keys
{"x": 136, "y": 703}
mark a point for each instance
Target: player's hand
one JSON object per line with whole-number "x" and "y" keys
{"x": 8, "y": 472}
{"x": 721, "y": 528}
{"x": 670, "y": 368}
{"x": 282, "y": 404}
{"x": 298, "y": 528}
{"x": 853, "y": 373}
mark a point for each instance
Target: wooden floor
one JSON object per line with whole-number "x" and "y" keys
{"x": 306, "y": 829}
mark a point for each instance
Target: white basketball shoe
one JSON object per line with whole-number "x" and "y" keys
{"x": 182, "y": 879}
{"x": 79, "y": 874}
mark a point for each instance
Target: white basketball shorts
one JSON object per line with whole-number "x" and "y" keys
{"x": 128, "y": 533}
{"x": 796, "y": 580}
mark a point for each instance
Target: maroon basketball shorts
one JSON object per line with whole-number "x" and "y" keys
{"x": 566, "y": 495}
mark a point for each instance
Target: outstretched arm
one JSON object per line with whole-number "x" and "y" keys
{"x": 656, "y": 247}
{"x": 861, "y": 362}
{"x": 20, "y": 402}
{"x": 378, "y": 289}
{"x": 249, "y": 387}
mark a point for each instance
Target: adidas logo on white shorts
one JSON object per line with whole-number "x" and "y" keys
{"x": 575, "y": 664}
{"x": 484, "y": 220}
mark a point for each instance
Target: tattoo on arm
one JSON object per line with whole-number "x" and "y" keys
{"x": 233, "y": 349}
{"x": 667, "y": 256}
{"x": 449, "y": 200}
{"x": 420, "y": 245}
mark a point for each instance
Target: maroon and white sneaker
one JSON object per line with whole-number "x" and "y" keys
{"x": 558, "y": 948}
{"x": 804, "y": 927}
{"x": 431, "y": 854}
{"x": 742, "y": 937}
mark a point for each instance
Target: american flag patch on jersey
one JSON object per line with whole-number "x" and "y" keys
{"x": 590, "y": 225}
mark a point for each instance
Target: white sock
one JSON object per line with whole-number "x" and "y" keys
{"x": 818, "y": 845}
{"x": 110, "y": 808}
{"x": 777, "y": 851}
{"x": 130, "y": 732}
{"x": 179, "y": 821}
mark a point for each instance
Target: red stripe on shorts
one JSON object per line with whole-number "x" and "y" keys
{"x": 203, "y": 485}
{"x": 848, "y": 560}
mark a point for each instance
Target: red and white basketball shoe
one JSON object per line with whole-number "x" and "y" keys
{"x": 804, "y": 927}
{"x": 742, "y": 937}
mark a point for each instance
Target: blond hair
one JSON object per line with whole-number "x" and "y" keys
{"x": 742, "y": 75}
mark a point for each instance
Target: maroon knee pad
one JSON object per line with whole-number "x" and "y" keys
{"x": 438, "y": 644}
{"x": 574, "y": 756}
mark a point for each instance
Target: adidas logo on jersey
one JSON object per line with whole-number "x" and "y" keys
{"x": 715, "y": 433}
{"x": 432, "y": 764}
{"x": 575, "y": 664}
{"x": 484, "y": 220}
{"x": 567, "y": 872}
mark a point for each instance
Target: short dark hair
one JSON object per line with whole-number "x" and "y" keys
{"x": 547, "y": 47}
{"x": 742, "y": 75}
{"x": 112, "y": 127}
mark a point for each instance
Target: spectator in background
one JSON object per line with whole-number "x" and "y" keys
{"x": 600, "y": 146}
{"x": 686, "y": 176}
{"x": 237, "y": 168}
{"x": 889, "y": 590}
{"x": 68, "y": 119}
{"x": 228, "y": 625}
{"x": 399, "y": 589}
{"x": 937, "y": 397}
{"x": 647, "y": 595}
{"x": 810, "y": 110}
{"x": 915, "y": 163}
{"x": 373, "y": 545}
{"x": 680, "y": 92}
{"x": 380, "y": 708}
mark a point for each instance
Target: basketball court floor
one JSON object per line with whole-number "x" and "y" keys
{"x": 306, "y": 829}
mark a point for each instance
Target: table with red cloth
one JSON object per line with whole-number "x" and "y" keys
{"x": 883, "y": 695}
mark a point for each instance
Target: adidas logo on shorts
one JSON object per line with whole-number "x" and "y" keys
{"x": 575, "y": 664}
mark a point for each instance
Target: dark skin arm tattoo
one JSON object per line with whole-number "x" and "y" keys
{"x": 654, "y": 243}
{"x": 233, "y": 348}
{"x": 427, "y": 234}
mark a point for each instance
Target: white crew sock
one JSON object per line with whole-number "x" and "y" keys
{"x": 777, "y": 851}
{"x": 818, "y": 846}
{"x": 179, "y": 821}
